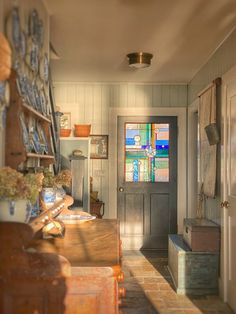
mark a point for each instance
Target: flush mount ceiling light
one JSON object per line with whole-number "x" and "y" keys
{"x": 139, "y": 60}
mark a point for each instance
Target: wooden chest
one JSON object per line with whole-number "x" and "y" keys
{"x": 192, "y": 272}
{"x": 201, "y": 235}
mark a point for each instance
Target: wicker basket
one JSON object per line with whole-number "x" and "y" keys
{"x": 65, "y": 132}
{"x": 82, "y": 130}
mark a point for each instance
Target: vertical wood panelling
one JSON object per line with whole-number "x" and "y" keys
{"x": 89, "y": 106}
{"x": 156, "y": 102}
{"x": 97, "y": 110}
{"x": 165, "y": 96}
{"x": 123, "y": 95}
{"x": 139, "y": 96}
{"x": 80, "y": 104}
{"x": 90, "y": 103}
{"x": 131, "y": 95}
{"x": 221, "y": 61}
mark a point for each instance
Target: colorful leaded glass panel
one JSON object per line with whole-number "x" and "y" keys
{"x": 146, "y": 152}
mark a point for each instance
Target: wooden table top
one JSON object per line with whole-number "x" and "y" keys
{"x": 91, "y": 243}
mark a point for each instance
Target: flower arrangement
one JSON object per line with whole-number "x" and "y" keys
{"x": 15, "y": 185}
{"x": 63, "y": 178}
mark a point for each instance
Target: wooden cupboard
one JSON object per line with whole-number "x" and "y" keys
{"x": 32, "y": 282}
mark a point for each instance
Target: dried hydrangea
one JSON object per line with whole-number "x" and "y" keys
{"x": 14, "y": 185}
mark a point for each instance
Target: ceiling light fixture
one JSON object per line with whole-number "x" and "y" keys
{"x": 139, "y": 60}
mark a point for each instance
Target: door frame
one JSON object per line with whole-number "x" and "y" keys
{"x": 227, "y": 78}
{"x": 180, "y": 113}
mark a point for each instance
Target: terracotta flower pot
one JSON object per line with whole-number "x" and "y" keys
{"x": 82, "y": 130}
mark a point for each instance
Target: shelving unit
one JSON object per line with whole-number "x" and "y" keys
{"x": 80, "y": 184}
{"x": 16, "y": 152}
{"x": 39, "y": 115}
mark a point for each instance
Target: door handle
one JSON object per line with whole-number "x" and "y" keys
{"x": 224, "y": 204}
{"x": 121, "y": 189}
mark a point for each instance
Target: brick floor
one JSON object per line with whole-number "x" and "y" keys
{"x": 150, "y": 288}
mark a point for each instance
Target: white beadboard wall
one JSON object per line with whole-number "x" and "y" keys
{"x": 90, "y": 103}
{"x": 222, "y": 60}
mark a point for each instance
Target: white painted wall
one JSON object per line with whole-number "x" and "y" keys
{"x": 90, "y": 103}
{"x": 221, "y": 61}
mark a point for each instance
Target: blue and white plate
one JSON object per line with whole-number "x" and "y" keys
{"x": 42, "y": 138}
{"x": 37, "y": 146}
{"x": 23, "y": 45}
{"x": 4, "y": 93}
{"x": 44, "y": 68}
{"x": 33, "y": 24}
{"x": 13, "y": 29}
{"x": 25, "y": 133}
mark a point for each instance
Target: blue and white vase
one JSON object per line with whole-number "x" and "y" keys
{"x": 15, "y": 211}
{"x": 48, "y": 195}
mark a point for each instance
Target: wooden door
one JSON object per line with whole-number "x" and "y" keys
{"x": 229, "y": 189}
{"x": 147, "y": 181}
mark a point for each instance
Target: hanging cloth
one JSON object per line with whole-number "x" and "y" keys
{"x": 207, "y": 115}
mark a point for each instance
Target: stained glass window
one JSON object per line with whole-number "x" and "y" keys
{"x": 146, "y": 152}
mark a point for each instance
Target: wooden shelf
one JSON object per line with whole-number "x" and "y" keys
{"x": 39, "y": 156}
{"x": 35, "y": 112}
{"x": 15, "y": 153}
{"x": 74, "y": 138}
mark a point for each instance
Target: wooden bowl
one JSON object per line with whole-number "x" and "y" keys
{"x": 65, "y": 132}
{"x": 82, "y": 130}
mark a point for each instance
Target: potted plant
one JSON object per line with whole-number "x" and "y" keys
{"x": 53, "y": 183}
{"x": 17, "y": 193}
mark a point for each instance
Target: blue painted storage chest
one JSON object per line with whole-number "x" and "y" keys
{"x": 192, "y": 272}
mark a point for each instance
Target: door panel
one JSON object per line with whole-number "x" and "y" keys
{"x": 160, "y": 214}
{"x": 147, "y": 180}
{"x": 134, "y": 213}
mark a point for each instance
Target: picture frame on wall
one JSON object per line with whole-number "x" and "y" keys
{"x": 65, "y": 120}
{"x": 99, "y": 147}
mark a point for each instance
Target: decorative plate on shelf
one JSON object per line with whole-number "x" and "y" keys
{"x": 42, "y": 138}
{"x": 34, "y": 58}
{"x": 33, "y": 24}
{"x": 21, "y": 85}
{"x": 43, "y": 101}
{"x": 23, "y": 46}
{"x": 13, "y": 29}
{"x": 44, "y": 68}
{"x": 40, "y": 33}
{"x": 37, "y": 98}
{"x": 32, "y": 55}
{"x": 37, "y": 146}
{"x": 4, "y": 93}
{"x": 25, "y": 133}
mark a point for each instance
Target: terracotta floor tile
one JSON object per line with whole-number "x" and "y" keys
{"x": 150, "y": 289}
